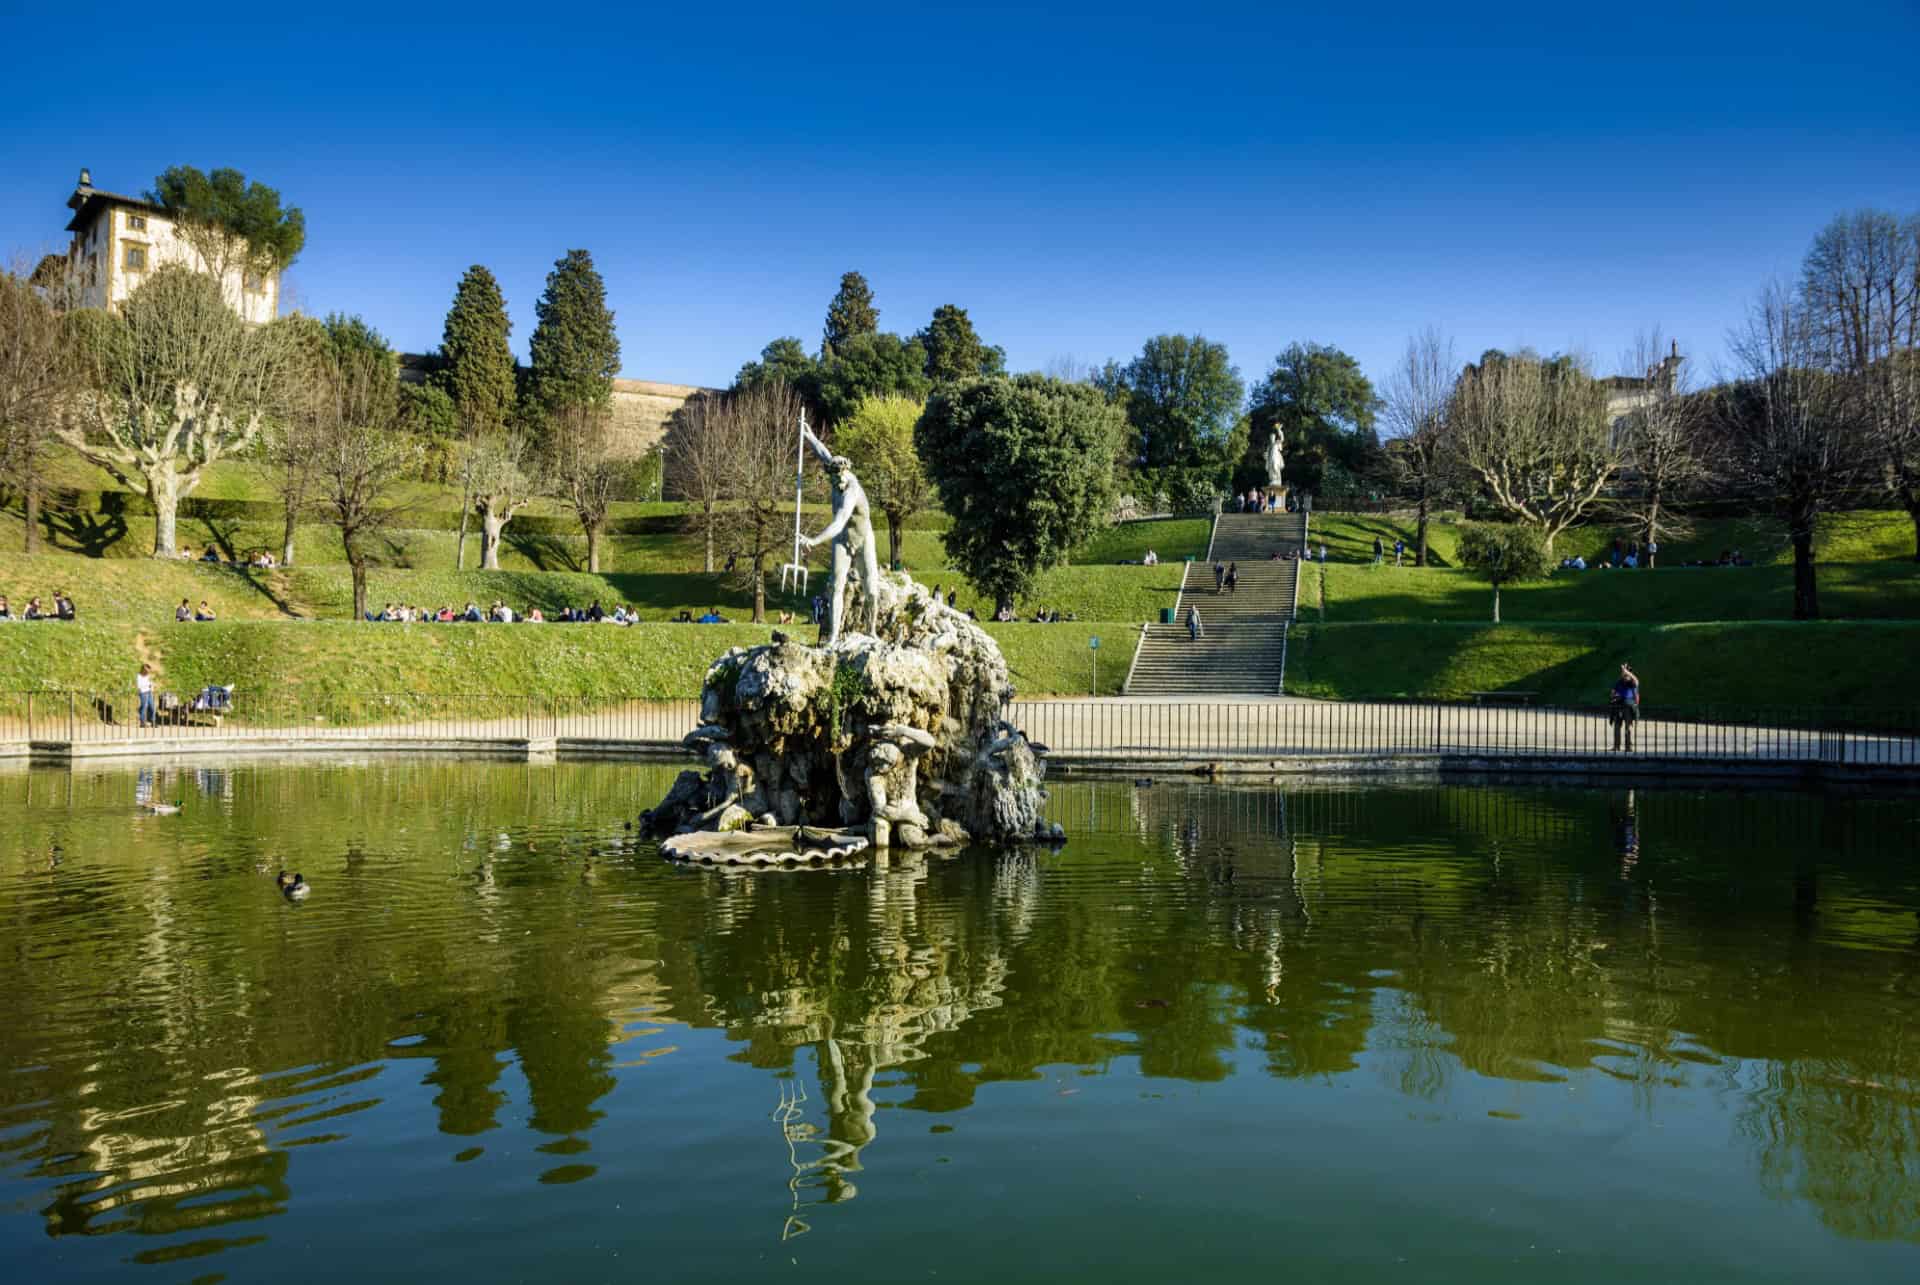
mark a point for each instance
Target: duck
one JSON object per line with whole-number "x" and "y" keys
{"x": 163, "y": 809}
{"x": 294, "y": 886}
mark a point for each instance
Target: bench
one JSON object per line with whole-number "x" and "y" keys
{"x": 1503, "y": 698}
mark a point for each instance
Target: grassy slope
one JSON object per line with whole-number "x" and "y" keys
{"x": 1841, "y": 537}
{"x": 1833, "y": 663}
{"x": 1365, "y": 592}
{"x": 334, "y": 659}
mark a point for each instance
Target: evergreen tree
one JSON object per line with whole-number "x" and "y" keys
{"x": 476, "y": 370}
{"x": 954, "y": 348}
{"x": 872, "y": 365}
{"x": 476, "y": 363}
{"x": 1324, "y": 407}
{"x": 850, "y": 314}
{"x": 574, "y": 353}
{"x": 1183, "y": 401}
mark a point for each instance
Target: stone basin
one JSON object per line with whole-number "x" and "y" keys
{"x": 765, "y": 847}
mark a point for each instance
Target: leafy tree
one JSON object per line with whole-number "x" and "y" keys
{"x": 1182, "y": 396}
{"x": 477, "y": 372}
{"x": 786, "y": 361}
{"x": 871, "y": 365}
{"x": 878, "y": 438}
{"x": 1009, "y": 457}
{"x": 954, "y": 349}
{"x": 426, "y": 414}
{"x": 1504, "y": 553}
{"x": 233, "y": 224}
{"x": 1324, "y": 407}
{"x": 574, "y": 356}
{"x": 178, "y": 382}
{"x": 850, "y": 315}
{"x": 1534, "y": 434}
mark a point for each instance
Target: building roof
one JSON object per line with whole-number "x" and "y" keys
{"x": 87, "y": 203}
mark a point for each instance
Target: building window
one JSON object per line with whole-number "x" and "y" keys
{"x": 135, "y": 259}
{"x": 137, "y": 222}
{"x": 256, "y": 283}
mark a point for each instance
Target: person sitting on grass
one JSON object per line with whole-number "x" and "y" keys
{"x": 183, "y": 612}
{"x": 63, "y": 606}
{"x": 596, "y": 613}
{"x": 472, "y": 614}
{"x": 204, "y": 612}
{"x": 211, "y": 555}
{"x": 712, "y": 617}
{"x": 534, "y": 616}
{"x": 445, "y": 615}
{"x": 6, "y": 612}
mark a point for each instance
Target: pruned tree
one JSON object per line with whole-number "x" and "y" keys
{"x": 585, "y": 467}
{"x": 235, "y": 226}
{"x": 1504, "y": 553}
{"x": 1533, "y": 433}
{"x": 760, "y": 426}
{"x": 1010, "y": 458}
{"x": 357, "y": 458}
{"x": 1860, "y": 287}
{"x": 878, "y": 438}
{"x": 1780, "y": 434}
{"x": 178, "y": 383}
{"x": 38, "y": 376}
{"x": 476, "y": 370}
{"x": 1417, "y": 395}
{"x": 695, "y": 450}
{"x": 1659, "y": 441}
{"x": 502, "y": 478}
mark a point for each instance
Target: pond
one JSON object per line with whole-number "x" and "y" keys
{"x": 1476, "y": 1032}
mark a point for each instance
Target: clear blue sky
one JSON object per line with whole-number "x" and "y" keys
{"x": 1078, "y": 181}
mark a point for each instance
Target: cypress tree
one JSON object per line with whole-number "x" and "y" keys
{"x": 954, "y": 348}
{"x": 851, "y": 313}
{"x": 574, "y": 351}
{"x": 476, "y": 363}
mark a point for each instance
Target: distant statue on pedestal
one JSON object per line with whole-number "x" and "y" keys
{"x": 1276, "y": 459}
{"x": 851, "y": 531}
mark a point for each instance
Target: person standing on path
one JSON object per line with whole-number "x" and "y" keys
{"x": 1193, "y": 624}
{"x": 1399, "y": 551}
{"x": 1219, "y": 576}
{"x": 1379, "y": 551}
{"x": 1233, "y": 577}
{"x": 1653, "y": 547}
{"x": 143, "y": 684}
{"x": 1624, "y": 705}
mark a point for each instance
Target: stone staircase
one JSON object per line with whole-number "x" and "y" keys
{"x": 1240, "y": 651}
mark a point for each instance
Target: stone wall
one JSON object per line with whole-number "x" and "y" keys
{"x": 641, "y": 407}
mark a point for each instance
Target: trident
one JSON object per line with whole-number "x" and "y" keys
{"x": 796, "y": 571}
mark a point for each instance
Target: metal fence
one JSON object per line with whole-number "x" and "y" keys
{"x": 93, "y": 717}
{"x": 1115, "y": 730}
{"x": 1152, "y": 731}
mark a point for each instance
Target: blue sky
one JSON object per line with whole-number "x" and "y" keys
{"x": 1078, "y": 179}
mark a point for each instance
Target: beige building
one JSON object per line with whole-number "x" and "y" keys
{"x": 119, "y": 240}
{"x": 1628, "y": 393}
{"x": 641, "y": 407}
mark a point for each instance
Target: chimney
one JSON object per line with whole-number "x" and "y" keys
{"x": 86, "y": 178}
{"x": 1676, "y": 350}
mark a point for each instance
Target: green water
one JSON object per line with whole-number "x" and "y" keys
{"x": 1411, "y": 1033}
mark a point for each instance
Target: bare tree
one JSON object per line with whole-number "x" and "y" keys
{"x": 1659, "y": 442}
{"x": 1780, "y": 434}
{"x": 1860, "y": 288}
{"x": 696, "y": 464}
{"x": 760, "y": 426}
{"x": 357, "y": 458}
{"x": 179, "y": 382}
{"x": 1535, "y": 434}
{"x": 1417, "y": 394}
{"x": 503, "y": 480}
{"x": 37, "y": 381}
{"x": 584, "y": 466}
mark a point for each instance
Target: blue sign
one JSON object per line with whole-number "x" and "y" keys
{"x": 1094, "y": 643}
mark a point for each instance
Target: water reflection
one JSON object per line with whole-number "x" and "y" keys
{"x": 489, "y": 973}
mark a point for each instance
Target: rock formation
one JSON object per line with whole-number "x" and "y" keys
{"x": 897, "y": 735}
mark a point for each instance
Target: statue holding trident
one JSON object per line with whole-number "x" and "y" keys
{"x": 851, "y": 531}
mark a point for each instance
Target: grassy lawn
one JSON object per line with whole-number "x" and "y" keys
{"x": 1364, "y": 592}
{"x": 1867, "y": 536}
{"x": 332, "y": 660}
{"x": 1863, "y": 664}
